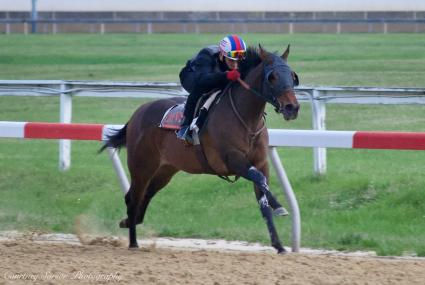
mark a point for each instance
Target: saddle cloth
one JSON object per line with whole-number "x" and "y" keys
{"x": 173, "y": 117}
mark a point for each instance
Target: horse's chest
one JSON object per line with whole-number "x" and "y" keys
{"x": 220, "y": 153}
{"x": 216, "y": 160}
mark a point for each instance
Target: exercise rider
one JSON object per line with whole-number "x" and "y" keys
{"x": 212, "y": 68}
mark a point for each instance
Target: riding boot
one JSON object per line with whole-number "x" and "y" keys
{"x": 184, "y": 133}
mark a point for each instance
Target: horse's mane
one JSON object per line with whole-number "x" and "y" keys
{"x": 252, "y": 59}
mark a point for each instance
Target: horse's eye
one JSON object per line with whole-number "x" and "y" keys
{"x": 271, "y": 77}
{"x": 295, "y": 78}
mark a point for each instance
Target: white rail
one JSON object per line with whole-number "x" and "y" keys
{"x": 317, "y": 96}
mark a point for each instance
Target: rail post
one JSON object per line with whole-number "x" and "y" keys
{"x": 116, "y": 162}
{"x": 318, "y": 111}
{"x": 65, "y": 117}
{"x": 290, "y": 198}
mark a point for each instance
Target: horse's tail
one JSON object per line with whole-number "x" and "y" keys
{"x": 115, "y": 140}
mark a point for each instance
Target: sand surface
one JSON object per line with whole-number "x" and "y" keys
{"x": 28, "y": 260}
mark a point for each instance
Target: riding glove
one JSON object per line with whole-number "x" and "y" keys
{"x": 233, "y": 75}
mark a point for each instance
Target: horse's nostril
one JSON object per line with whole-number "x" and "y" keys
{"x": 292, "y": 108}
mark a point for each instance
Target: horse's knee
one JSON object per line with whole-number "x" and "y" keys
{"x": 257, "y": 177}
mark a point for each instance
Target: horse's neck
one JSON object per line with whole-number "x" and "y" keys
{"x": 250, "y": 107}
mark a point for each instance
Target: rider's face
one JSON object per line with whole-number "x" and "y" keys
{"x": 231, "y": 64}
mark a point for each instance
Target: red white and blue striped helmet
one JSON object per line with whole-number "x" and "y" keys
{"x": 233, "y": 47}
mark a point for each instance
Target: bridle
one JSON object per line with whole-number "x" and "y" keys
{"x": 268, "y": 89}
{"x": 270, "y": 93}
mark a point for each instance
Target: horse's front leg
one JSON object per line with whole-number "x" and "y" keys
{"x": 278, "y": 210}
{"x": 242, "y": 167}
{"x": 264, "y": 197}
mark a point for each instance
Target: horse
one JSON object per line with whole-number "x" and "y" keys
{"x": 234, "y": 139}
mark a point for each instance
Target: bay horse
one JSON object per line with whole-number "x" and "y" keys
{"x": 234, "y": 139}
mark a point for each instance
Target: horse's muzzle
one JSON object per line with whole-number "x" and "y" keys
{"x": 290, "y": 111}
{"x": 289, "y": 106}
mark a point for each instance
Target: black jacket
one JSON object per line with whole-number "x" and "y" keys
{"x": 204, "y": 72}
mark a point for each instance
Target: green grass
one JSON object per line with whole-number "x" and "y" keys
{"x": 361, "y": 59}
{"x": 369, "y": 199}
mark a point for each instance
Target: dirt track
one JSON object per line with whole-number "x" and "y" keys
{"x": 23, "y": 261}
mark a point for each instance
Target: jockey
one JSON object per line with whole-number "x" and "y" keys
{"x": 212, "y": 68}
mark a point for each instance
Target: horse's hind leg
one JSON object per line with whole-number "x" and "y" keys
{"x": 142, "y": 170}
{"x": 159, "y": 181}
{"x": 133, "y": 199}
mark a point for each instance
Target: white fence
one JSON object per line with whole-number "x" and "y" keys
{"x": 303, "y": 138}
{"x": 317, "y": 96}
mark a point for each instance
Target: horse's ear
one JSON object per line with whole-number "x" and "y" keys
{"x": 263, "y": 52}
{"x": 286, "y": 53}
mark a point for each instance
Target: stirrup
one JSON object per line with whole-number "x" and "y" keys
{"x": 188, "y": 140}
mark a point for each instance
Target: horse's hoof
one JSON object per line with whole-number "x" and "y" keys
{"x": 280, "y": 212}
{"x": 281, "y": 251}
{"x": 123, "y": 224}
{"x": 279, "y": 248}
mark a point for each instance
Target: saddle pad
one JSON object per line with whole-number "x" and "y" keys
{"x": 172, "y": 117}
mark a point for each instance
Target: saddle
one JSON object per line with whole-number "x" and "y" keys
{"x": 173, "y": 117}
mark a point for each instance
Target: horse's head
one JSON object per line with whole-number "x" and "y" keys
{"x": 279, "y": 82}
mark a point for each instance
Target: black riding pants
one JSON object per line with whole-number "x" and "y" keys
{"x": 189, "y": 109}
{"x": 188, "y": 81}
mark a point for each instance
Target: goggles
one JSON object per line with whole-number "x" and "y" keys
{"x": 235, "y": 54}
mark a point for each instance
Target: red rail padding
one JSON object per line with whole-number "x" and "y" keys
{"x": 389, "y": 140}
{"x": 63, "y": 131}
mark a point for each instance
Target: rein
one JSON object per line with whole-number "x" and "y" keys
{"x": 271, "y": 100}
{"x": 232, "y": 103}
